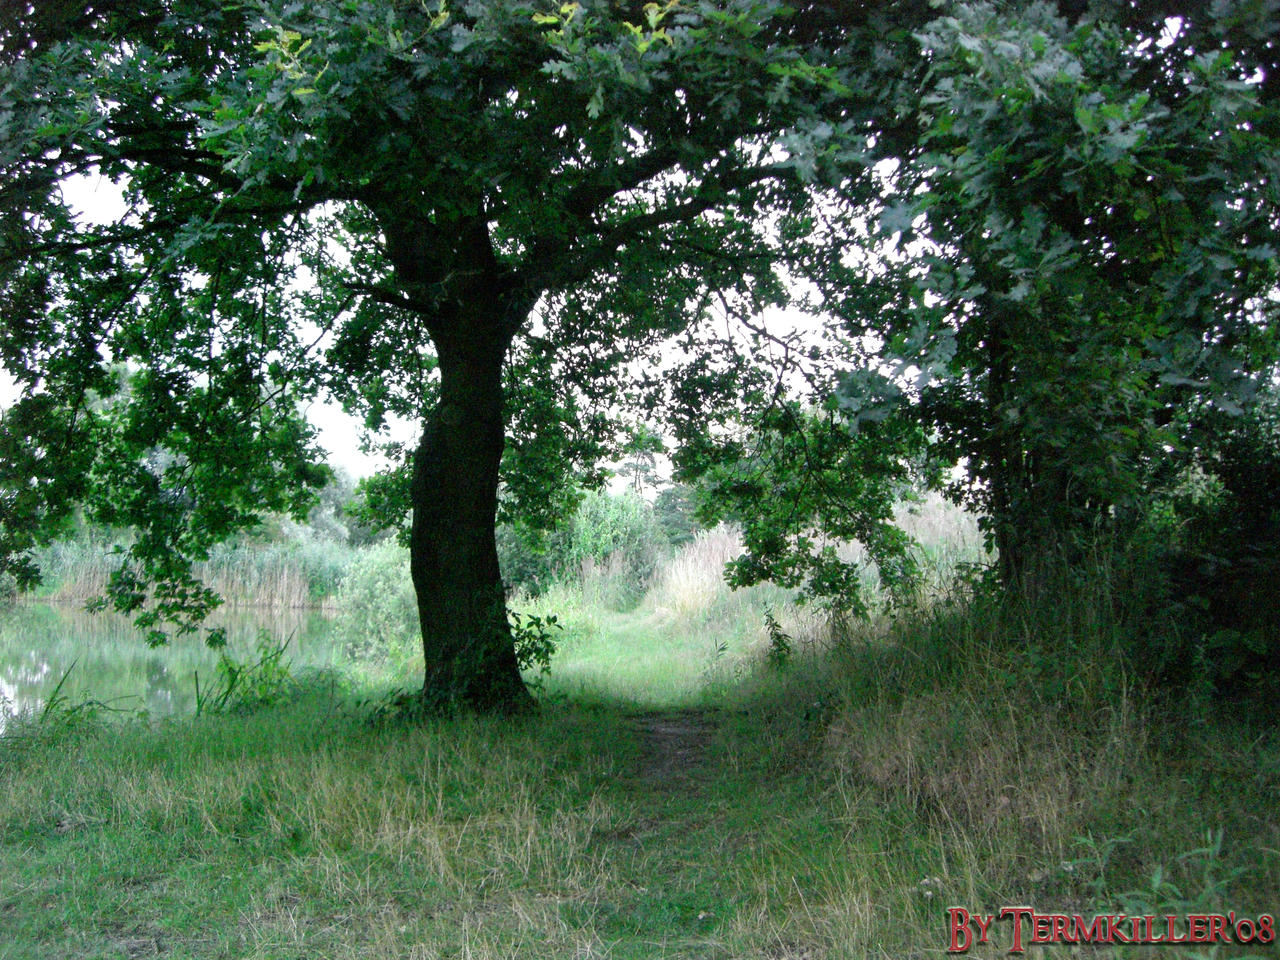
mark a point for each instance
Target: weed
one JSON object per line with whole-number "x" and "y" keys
{"x": 242, "y": 685}
{"x": 780, "y": 644}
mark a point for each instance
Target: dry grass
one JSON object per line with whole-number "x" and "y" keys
{"x": 692, "y": 582}
{"x": 979, "y": 754}
{"x": 282, "y": 576}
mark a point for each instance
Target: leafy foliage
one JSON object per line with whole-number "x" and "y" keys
{"x": 1214, "y": 540}
{"x": 803, "y": 489}
{"x": 415, "y": 182}
{"x": 378, "y": 613}
{"x": 1095, "y": 272}
{"x": 614, "y": 535}
{"x": 243, "y": 686}
{"x": 535, "y": 639}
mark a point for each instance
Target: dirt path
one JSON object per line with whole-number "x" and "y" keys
{"x": 674, "y": 745}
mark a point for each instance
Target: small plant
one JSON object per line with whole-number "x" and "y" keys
{"x": 1211, "y": 876}
{"x": 780, "y": 642}
{"x": 535, "y": 641}
{"x": 57, "y": 701}
{"x": 1093, "y": 866}
{"x": 59, "y": 709}
{"x": 1205, "y": 891}
{"x": 244, "y": 686}
{"x": 58, "y": 718}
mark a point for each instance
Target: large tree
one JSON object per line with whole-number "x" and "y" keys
{"x": 1066, "y": 285}
{"x": 388, "y": 202}
{"x": 1079, "y": 265}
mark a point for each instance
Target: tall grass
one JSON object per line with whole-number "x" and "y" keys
{"x": 976, "y": 749}
{"x": 688, "y": 595}
{"x": 288, "y": 575}
{"x": 293, "y": 574}
{"x": 999, "y": 752}
{"x": 980, "y": 750}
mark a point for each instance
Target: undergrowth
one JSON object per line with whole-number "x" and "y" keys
{"x": 846, "y": 790}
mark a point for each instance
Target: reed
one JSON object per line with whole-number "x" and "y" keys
{"x": 289, "y": 575}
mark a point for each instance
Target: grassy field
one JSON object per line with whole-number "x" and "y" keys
{"x": 675, "y": 797}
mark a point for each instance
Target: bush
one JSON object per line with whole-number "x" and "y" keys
{"x": 378, "y": 611}
{"x": 614, "y": 544}
{"x": 1213, "y": 546}
{"x": 611, "y": 547}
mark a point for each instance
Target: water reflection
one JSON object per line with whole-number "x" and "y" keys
{"x": 113, "y": 665}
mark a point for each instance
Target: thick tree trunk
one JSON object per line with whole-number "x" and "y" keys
{"x": 471, "y": 308}
{"x": 466, "y": 639}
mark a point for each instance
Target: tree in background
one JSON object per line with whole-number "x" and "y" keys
{"x": 641, "y": 451}
{"x": 675, "y": 510}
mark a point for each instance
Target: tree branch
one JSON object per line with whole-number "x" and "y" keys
{"x": 709, "y": 194}
{"x": 392, "y": 298}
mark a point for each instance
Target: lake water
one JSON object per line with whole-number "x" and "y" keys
{"x": 109, "y": 662}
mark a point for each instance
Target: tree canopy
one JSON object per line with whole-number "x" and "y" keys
{"x": 1096, "y": 271}
{"x": 388, "y": 202}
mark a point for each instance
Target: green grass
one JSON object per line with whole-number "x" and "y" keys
{"x": 299, "y": 832}
{"x": 830, "y": 809}
{"x": 642, "y": 660}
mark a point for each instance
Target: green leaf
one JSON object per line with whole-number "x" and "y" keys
{"x": 596, "y": 104}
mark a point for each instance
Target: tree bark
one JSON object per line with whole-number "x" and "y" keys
{"x": 471, "y": 308}
{"x": 466, "y": 639}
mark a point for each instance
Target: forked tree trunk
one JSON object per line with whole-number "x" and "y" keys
{"x": 466, "y": 639}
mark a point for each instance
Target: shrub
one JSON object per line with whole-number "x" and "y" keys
{"x": 611, "y": 546}
{"x": 1207, "y": 558}
{"x": 378, "y": 611}
{"x": 614, "y": 543}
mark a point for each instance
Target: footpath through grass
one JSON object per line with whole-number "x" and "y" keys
{"x": 296, "y": 832}
{"x": 705, "y": 807}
